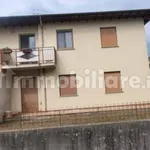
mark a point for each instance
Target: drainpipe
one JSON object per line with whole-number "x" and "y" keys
{"x": 42, "y": 32}
{"x": 43, "y": 70}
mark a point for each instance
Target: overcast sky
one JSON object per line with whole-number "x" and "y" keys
{"x": 23, "y": 7}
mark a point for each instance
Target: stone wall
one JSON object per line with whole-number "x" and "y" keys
{"x": 120, "y": 136}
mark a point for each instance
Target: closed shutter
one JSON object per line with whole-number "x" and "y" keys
{"x": 108, "y": 37}
{"x": 112, "y": 82}
{"x": 67, "y": 85}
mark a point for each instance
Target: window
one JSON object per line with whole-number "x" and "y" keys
{"x": 112, "y": 82}
{"x": 67, "y": 85}
{"x": 108, "y": 37}
{"x": 27, "y": 41}
{"x": 64, "y": 39}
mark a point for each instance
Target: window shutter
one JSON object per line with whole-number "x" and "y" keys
{"x": 67, "y": 85}
{"x": 112, "y": 82}
{"x": 108, "y": 37}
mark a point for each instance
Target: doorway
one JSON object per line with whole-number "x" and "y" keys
{"x": 29, "y": 95}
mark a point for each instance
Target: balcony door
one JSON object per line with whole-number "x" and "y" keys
{"x": 27, "y": 41}
{"x": 27, "y": 54}
{"x": 29, "y": 95}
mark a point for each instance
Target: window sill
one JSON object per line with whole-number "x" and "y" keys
{"x": 68, "y": 96}
{"x": 115, "y": 92}
{"x": 65, "y": 49}
{"x": 111, "y": 47}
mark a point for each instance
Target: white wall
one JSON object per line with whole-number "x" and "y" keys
{"x": 130, "y": 58}
{"x": 9, "y": 37}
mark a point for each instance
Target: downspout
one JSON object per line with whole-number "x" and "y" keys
{"x": 43, "y": 70}
{"x": 42, "y": 32}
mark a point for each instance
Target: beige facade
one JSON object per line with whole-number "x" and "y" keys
{"x": 130, "y": 57}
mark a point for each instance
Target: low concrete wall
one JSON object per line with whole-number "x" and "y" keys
{"x": 122, "y": 136}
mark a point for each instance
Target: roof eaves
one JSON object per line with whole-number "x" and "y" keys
{"x": 34, "y": 19}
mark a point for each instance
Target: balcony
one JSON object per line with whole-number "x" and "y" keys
{"x": 28, "y": 58}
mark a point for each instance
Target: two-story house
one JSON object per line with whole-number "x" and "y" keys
{"x": 82, "y": 49}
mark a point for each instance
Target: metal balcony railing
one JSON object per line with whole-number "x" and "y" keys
{"x": 41, "y": 56}
{"x": 77, "y": 116}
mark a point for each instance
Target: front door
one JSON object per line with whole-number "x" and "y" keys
{"x": 29, "y": 95}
